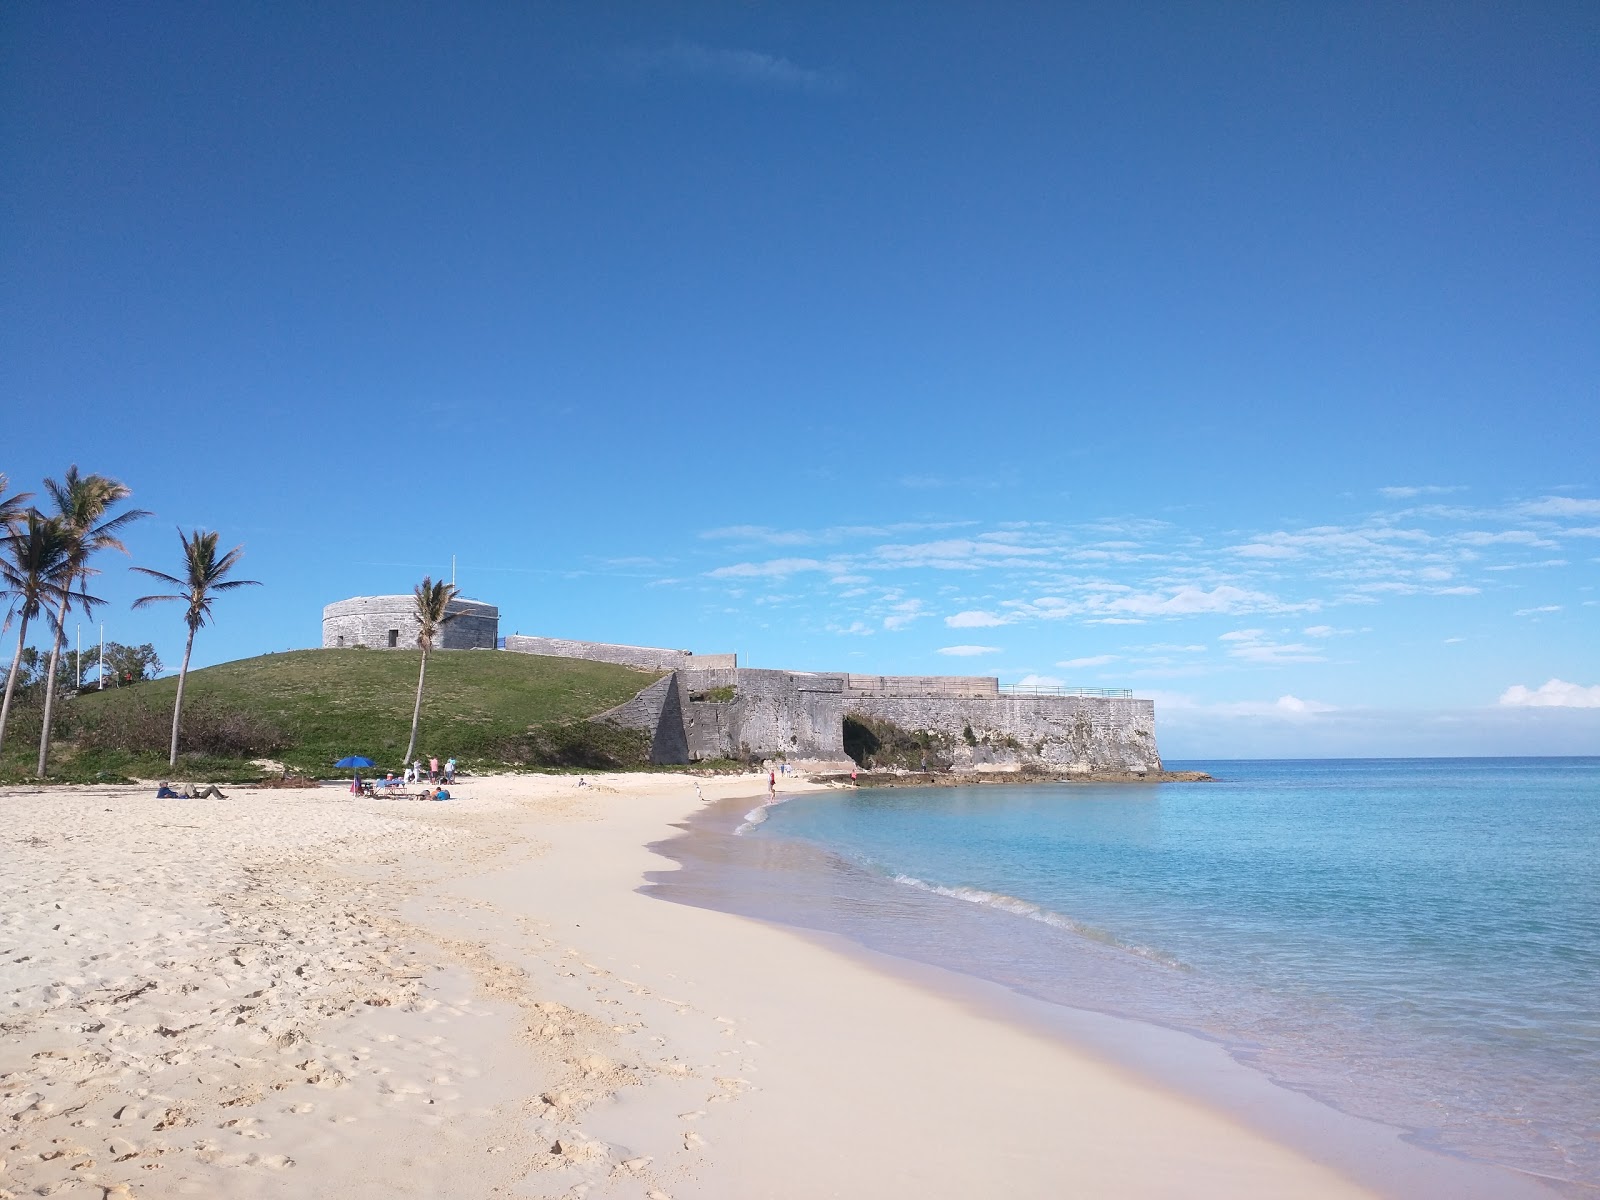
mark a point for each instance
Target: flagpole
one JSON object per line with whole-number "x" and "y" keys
{"x": 102, "y": 656}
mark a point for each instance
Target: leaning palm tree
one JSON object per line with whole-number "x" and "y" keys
{"x": 433, "y": 614}
{"x": 35, "y": 574}
{"x": 204, "y": 575}
{"x": 82, "y": 502}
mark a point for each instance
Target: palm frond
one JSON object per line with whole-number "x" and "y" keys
{"x": 161, "y": 575}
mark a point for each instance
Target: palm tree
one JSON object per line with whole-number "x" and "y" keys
{"x": 11, "y": 511}
{"x": 433, "y": 614}
{"x": 34, "y": 574}
{"x": 204, "y": 575}
{"x": 82, "y": 502}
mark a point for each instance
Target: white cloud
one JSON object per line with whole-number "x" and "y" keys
{"x": 1039, "y": 681}
{"x": 1263, "y": 550}
{"x": 760, "y": 533}
{"x": 1506, "y": 537}
{"x": 1543, "y": 608}
{"x": 1319, "y": 631}
{"x": 1252, "y": 645}
{"x": 1553, "y": 693}
{"x": 1523, "y": 566}
{"x": 1095, "y": 660}
{"x": 1427, "y": 489}
{"x": 974, "y": 619}
{"x": 903, "y": 614}
{"x": 1453, "y": 641}
{"x": 1562, "y": 506}
{"x": 956, "y": 554}
{"x": 1189, "y": 599}
{"x": 1294, "y": 706}
{"x": 1289, "y": 707}
{"x": 773, "y": 568}
{"x": 750, "y": 67}
{"x": 968, "y": 651}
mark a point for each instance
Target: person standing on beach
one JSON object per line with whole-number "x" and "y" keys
{"x": 450, "y": 770}
{"x": 433, "y": 768}
{"x": 772, "y": 785}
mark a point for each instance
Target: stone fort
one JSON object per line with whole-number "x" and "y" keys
{"x": 706, "y": 706}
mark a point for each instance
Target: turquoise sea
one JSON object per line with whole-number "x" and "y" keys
{"x": 1413, "y": 941}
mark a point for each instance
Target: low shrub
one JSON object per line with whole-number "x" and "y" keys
{"x": 590, "y": 745}
{"x": 207, "y": 729}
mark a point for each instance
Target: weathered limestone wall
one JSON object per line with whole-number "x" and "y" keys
{"x": 390, "y": 622}
{"x": 773, "y": 713}
{"x": 1065, "y": 734}
{"x": 801, "y": 716}
{"x": 649, "y": 658}
{"x": 657, "y": 708}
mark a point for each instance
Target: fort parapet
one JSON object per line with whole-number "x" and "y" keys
{"x": 646, "y": 658}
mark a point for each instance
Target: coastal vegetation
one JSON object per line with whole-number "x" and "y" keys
{"x": 875, "y": 742}
{"x": 304, "y": 709}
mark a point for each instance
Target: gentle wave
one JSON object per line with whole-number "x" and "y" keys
{"x": 758, "y": 815}
{"x": 1036, "y": 912}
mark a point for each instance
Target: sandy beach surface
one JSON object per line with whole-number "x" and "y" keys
{"x": 303, "y": 993}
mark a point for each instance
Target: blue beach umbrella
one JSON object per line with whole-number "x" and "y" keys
{"x": 353, "y": 762}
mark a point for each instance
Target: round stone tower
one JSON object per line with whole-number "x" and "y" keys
{"x": 390, "y": 623}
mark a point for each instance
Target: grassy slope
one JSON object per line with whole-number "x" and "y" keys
{"x": 332, "y": 703}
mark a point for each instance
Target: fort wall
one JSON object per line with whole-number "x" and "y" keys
{"x": 646, "y": 658}
{"x": 752, "y": 714}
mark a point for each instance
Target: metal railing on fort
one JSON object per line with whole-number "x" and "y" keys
{"x": 1030, "y": 689}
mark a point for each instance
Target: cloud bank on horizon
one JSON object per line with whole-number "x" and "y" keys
{"x": 1353, "y": 615}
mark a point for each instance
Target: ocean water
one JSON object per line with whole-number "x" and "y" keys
{"x": 1413, "y": 941}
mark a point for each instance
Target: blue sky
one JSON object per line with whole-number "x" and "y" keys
{"x": 1243, "y": 356}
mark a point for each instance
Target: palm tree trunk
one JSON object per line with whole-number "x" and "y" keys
{"x": 177, "y": 705}
{"x": 416, "y": 713}
{"x": 50, "y": 690}
{"x": 11, "y": 680}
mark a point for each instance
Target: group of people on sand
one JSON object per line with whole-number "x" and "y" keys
{"x": 436, "y": 774}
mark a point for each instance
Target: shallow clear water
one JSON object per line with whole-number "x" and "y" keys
{"x": 1414, "y": 941}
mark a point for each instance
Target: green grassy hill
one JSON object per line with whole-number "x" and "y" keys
{"x": 308, "y": 708}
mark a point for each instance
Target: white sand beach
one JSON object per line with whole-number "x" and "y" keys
{"x": 301, "y": 993}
